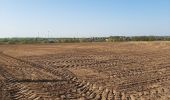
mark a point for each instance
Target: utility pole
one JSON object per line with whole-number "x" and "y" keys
{"x": 38, "y": 34}
{"x": 48, "y": 34}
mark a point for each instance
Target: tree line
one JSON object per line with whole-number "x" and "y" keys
{"x": 79, "y": 40}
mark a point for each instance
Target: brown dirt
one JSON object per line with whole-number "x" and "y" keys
{"x": 92, "y": 71}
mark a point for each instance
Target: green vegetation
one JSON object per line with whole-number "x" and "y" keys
{"x": 77, "y": 40}
{"x": 138, "y": 38}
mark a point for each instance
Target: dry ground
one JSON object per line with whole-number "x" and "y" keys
{"x": 85, "y": 71}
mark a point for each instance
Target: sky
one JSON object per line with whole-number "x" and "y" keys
{"x": 84, "y": 18}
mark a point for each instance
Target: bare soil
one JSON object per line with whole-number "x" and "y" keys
{"x": 85, "y": 71}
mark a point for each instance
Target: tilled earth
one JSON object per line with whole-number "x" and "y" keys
{"x": 85, "y": 71}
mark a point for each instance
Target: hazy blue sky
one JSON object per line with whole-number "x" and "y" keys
{"x": 84, "y": 18}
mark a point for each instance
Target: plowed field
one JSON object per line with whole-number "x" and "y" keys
{"x": 85, "y": 71}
